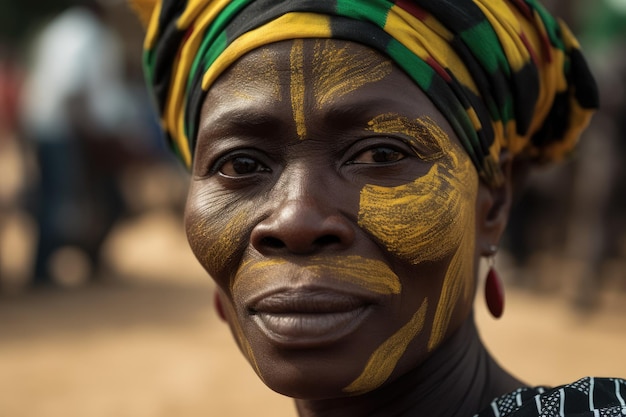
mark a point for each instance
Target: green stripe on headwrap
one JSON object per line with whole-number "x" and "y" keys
{"x": 377, "y": 11}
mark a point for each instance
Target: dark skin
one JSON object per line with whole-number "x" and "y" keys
{"x": 343, "y": 224}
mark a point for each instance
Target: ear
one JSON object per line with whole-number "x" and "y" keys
{"x": 219, "y": 305}
{"x": 493, "y": 205}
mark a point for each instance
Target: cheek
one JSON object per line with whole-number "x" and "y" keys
{"x": 424, "y": 220}
{"x": 431, "y": 220}
{"x": 216, "y": 230}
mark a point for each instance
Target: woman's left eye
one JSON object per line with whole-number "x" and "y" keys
{"x": 378, "y": 155}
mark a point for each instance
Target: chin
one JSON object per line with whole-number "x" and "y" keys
{"x": 313, "y": 374}
{"x": 325, "y": 373}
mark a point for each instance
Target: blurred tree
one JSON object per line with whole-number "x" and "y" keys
{"x": 604, "y": 22}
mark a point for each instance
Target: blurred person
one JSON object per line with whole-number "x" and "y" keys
{"x": 11, "y": 75}
{"x": 75, "y": 107}
{"x": 12, "y": 162}
{"x": 351, "y": 162}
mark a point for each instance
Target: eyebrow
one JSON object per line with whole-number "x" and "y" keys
{"x": 423, "y": 134}
{"x": 359, "y": 112}
{"x": 239, "y": 121}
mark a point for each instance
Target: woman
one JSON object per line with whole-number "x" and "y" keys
{"x": 351, "y": 162}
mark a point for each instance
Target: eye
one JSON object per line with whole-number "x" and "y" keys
{"x": 378, "y": 155}
{"x": 240, "y": 165}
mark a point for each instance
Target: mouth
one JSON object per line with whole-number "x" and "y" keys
{"x": 305, "y": 318}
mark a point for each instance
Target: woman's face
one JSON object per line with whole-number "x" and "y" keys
{"x": 334, "y": 208}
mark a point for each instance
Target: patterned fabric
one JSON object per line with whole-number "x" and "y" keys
{"x": 505, "y": 73}
{"x": 587, "y": 397}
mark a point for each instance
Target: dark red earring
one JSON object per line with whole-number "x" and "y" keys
{"x": 219, "y": 308}
{"x": 494, "y": 290}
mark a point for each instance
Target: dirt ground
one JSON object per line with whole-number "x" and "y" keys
{"x": 145, "y": 341}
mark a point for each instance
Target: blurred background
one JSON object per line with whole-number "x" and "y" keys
{"x": 103, "y": 309}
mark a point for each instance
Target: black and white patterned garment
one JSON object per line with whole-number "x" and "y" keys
{"x": 587, "y": 397}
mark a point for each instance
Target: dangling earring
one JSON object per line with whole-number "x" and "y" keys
{"x": 219, "y": 308}
{"x": 494, "y": 290}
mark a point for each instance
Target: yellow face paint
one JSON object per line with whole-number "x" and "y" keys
{"x": 419, "y": 133}
{"x": 421, "y": 221}
{"x": 370, "y": 274}
{"x": 431, "y": 218}
{"x": 383, "y": 361}
{"x": 457, "y": 285}
{"x": 219, "y": 251}
{"x": 373, "y": 275}
{"x": 297, "y": 86}
{"x": 336, "y": 72}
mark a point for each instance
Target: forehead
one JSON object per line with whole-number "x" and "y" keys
{"x": 315, "y": 53}
{"x": 321, "y": 75}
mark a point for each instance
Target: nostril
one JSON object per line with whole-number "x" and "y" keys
{"x": 272, "y": 242}
{"x": 327, "y": 240}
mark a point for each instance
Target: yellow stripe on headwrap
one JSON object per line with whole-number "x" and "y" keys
{"x": 420, "y": 38}
{"x": 506, "y": 25}
{"x": 288, "y": 26}
{"x": 200, "y": 10}
{"x": 174, "y": 109}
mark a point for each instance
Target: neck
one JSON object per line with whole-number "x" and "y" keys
{"x": 458, "y": 380}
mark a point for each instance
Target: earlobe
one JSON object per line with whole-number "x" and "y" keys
{"x": 219, "y": 307}
{"x": 493, "y": 208}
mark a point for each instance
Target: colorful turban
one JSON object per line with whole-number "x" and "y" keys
{"x": 505, "y": 73}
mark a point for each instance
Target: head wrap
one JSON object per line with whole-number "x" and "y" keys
{"x": 505, "y": 73}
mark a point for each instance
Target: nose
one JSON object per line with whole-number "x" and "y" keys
{"x": 302, "y": 226}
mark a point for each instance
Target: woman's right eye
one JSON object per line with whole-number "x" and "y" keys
{"x": 239, "y": 166}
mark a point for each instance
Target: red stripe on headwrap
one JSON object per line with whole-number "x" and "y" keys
{"x": 524, "y": 8}
{"x": 188, "y": 33}
{"x": 413, "y": 9}
{"x": 439, "y": 69}
{"x": 529, "y": 47}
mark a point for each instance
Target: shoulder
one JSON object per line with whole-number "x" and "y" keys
{"x": 587, "y": 397}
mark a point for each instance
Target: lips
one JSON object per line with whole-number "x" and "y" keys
{"x": 308, "y": 317}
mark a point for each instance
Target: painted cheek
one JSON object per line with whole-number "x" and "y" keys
{"x": 421, "y": 221}
{"x": 458, "y": 283}
{"x": 430, "y": 219}
{"x": 217, "y": 239}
